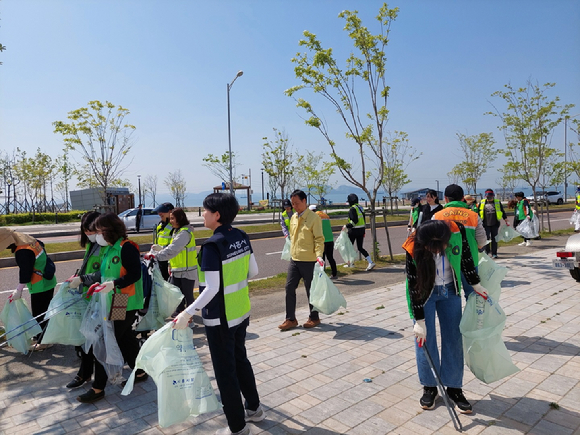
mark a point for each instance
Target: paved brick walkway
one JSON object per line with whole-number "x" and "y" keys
{"x": 311, "y": 381}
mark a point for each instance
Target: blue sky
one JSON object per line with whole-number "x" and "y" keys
{"x": 168, "y": 62}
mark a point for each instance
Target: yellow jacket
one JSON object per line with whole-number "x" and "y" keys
{"x": 307, "y": 236}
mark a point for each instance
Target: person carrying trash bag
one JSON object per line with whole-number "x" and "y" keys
{"x": 356, "y": 227}
{"x": 226, "y": 263}
{"x": 437, "y": 254}
{"x": 162, "y": 234}
{"x": 328, "y": 240}
{"x": 91, "y": 264}
{"x": 35, "y": 272}
{"x": 523, "y": 211}
{"x": 182, "y": 256}
{"x": 119, "y": 274}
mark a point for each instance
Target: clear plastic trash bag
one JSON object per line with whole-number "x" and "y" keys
{"x": 100, "y": 334}
{"x": 345, "y": 247}
{"x": 165, "y": 298}
{"x": 66, "y": 311}
{"x": 324, "y": 296}
{"x": 482, "y": 324}
{"x": 506, "y": 234}
{"x": 286, "y": 250}
{"x": 529, "y": 228}
{"x": 19, "y": 325}
{"x": 183, "y": 387}
{"x": 575, "y": 220}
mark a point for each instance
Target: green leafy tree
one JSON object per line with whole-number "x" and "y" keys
{"x": 528, "y": 121}
{"x": 314, "y": 173}
{"x": 65, "y": 169}
{"x": 573, "y": 163}
{"x": 278, "y": 161}
{"x": 478, "y": 155}
{"x": 220, "y": 166}
{"x": 99, "y": 133}
{"x": 319, "y": 71}
{"x": 398, "y": 156}
{"x": 176, "y": 184}
{"x": 507, "y": 181}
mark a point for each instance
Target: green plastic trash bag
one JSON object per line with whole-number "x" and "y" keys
{"x": 183, "y": 387}
{"x": 345, "y": 248}
{"x": 490, "y": 273}
{"x": 165, "y": 298}
{"x": 19, "y": 324}
{"x": 286, "y": 250}
{"x": 506, "y": 233}
{"x": 66, "y": 311}
{"x": 481, "y": 325}
{"x": 324, "y": 296}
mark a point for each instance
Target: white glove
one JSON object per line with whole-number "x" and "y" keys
{"x": 156, "y": 248}
{"x": 528, "y": 217}
{"x": 74, "y": 281}
{"x": 480, "y": 290}
{"x": 105, "y": 287}
{"x": 16, "y": 294}
{"x": 420, "y": 332}
{"x": 320, "y": 261}
{"x": 182, "y": 320}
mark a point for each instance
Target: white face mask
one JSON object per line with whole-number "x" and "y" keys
{"x": 92, "y": 237}
{"x": 101, "y": 240}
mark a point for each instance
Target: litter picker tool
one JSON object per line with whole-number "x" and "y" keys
{"x": 443, "y": 393}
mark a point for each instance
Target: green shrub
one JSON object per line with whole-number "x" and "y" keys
{"x": 26, "y": 218}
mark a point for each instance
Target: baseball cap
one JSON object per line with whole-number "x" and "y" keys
{"x": 489, "y": 192}
{"x": 454, "y": 192}
{"x": 312, "y": 207}
{"x": 286, "y": 203}
{"x": 166, "y": 207}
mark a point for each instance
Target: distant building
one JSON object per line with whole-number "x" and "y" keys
{"x": 118, "y": 199}
{"x": 420, "y": 194}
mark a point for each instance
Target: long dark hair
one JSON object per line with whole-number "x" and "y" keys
{"x": 431, "y": 238}
{"x": 112, "y": 227}
{"x": 434, "y": 194}
{"x": 180, "y": 217}
{"x": 87, "y": 224}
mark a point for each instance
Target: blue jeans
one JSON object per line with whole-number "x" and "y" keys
{"x": 447, "y": 305}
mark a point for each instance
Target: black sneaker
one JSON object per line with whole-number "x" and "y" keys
{"x": 456, "y": 394}
{"x": 91, "y": 396}
{"x": 428, "y": 399}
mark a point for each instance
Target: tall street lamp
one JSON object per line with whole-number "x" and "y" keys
{"x": 139, "y": 179}
{"x": 239, "y": 74}
{"x": 566, "y": 118}
{"x": 262, "y": 184}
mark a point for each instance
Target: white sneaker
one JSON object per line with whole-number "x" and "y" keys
{"x": 522, "y": 244}
{"x": 371, "y": 266}
{"x": 348, "y": 265}
{"x": 528, "y": 243}
{"x": 257, "y": 415}
{"x": 227, "y": 431}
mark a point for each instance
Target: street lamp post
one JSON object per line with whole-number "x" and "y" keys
{"x": 139, "y": 179}
{"x": 566, "y": 118}
{"x": 262, "y": 184}
{"x": 239, "y": 74}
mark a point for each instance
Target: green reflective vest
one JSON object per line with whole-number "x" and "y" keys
{"x": 498, "y": 212}
{"x": 360, "y": 223}
{"x": 286, "y": 219}
{"x": 520, "y": 212}
{"x": 38, "y": 283}
{"x": 187, "y": 258}
{"x": 415, "y": 214}
{"x": 92, "y": 261}
{"x": 235, "y": 250}
{"x": 162, "y": 234}
{"x": 578, "y": 201}
{"x": 112, "y": 268}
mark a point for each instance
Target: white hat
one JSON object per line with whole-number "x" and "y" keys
{"x": 312, "y": 207}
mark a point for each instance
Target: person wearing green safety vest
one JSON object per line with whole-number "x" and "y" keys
{"x": 35, "y": 272}
{"x": 285, "y": 217}
{"x": 162, "y": 234}
{"x": 226, "y": 263}
{"x": 414, "y": 214}
{"x": 182, "y": 256}
{"x": 356, "y": 229}
{"x": 491, "y": 213}
{"x": 438, "y": 258}
{"x": 523, "y": 211}
{"x": 578, "y": 198}
{"x": 328, "y": 240}
{"x": 120, "y": 272}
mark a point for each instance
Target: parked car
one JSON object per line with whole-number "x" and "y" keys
{"x": 569, "y": 258}
{"x": 148, "y": 221}
{"x": 552, "y": 196}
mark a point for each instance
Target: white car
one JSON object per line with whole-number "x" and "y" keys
{"x": 569, "y": 258}
{"x": 552, "y": 196}
{"x": 149, "y": 220}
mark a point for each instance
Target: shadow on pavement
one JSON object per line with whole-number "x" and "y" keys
{"x": 541, "y": 345}
{"x": 346, "y": 331}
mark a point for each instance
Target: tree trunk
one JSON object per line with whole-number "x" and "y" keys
{"x": 388, "y": 235}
